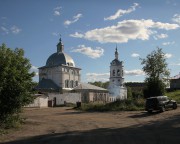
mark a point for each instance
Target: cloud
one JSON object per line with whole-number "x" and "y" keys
{"x": 121, "y": 12}
{"x": 34, "y": 69}
{"x": 125, "y": 30}
{"x": 57, "y": 8}
{"x": 56, "y": 11}
{"x": 15, "y": 29}
{"x": 168, "y": 43}
{"x": 5, "y": 30}
{"x": 160, "y": 36}
{"x": 168, "y": 55}
{"x": 176, "y": 18}
{"x": 135, "y": 55}
{"x": 55, "y": 34}
{"x": 91, "y": 77}
{"x": 75, "y": 19}
{"x": 77, "y": 35}
{"x": 92, "y": 53}
{"x": 136, "y": 72}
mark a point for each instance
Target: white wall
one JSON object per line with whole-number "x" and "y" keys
{"x": 68, "y": 97}
{"x": 40, "y": 101}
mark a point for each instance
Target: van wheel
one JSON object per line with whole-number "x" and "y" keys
{"x": 162, "y": 109}
{"x": 174, "y": 106}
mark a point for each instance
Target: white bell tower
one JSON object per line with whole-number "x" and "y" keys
{"x": 116, "y": 80}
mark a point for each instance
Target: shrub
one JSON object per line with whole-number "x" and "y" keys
{"x": 120, "y": 105}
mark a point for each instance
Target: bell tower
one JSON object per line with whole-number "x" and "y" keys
{"x": 116, "y": 81}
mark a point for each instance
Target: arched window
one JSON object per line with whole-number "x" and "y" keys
{"x": 118, "y": 72}
{"x": 72, "y": 84}
{"x": 66, "y": 83}
{"x": 76, "y": 83}
{"x": 113, "y": 72}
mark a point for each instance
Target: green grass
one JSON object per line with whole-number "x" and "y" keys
{"x": 123, "y": 105}
{"x": 175, "y": 95}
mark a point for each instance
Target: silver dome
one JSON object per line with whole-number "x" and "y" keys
{"x": 60, "y": 58}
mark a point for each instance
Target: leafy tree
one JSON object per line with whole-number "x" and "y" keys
{"x": 155, "y": 67}
{"x": 129, "y": 93}
{"x": 100, "y": 84}
{"x": 15, "y": 82}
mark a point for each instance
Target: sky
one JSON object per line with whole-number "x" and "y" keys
{"x": 90, "y": 31}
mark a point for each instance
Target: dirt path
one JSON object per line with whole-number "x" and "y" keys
{"x": 67, "y": 126}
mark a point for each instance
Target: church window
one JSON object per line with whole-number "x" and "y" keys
{"x": 118, "y": 72}
{"x": 72, "y": 84}
{"x": 66, "y": 83}
{"x": 113, "y": 72}
{"x": 76, "y": 83}
{"x": 75, "y": 72}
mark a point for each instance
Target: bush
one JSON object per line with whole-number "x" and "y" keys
{"x": 175, "y": 95}
{"x": 12, "y": 121}
{"x": 121, "y": 105}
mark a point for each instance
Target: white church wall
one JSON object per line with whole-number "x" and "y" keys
{"x": 39, "y": 101}
{"x": 66, "y": 97}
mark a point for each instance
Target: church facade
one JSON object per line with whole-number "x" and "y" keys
{"x": 59, "y": 74}
{"x": 116, "y": 88}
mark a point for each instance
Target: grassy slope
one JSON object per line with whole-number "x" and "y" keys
{"x": 125, "y": 105}
{"x": 175, "y": 95}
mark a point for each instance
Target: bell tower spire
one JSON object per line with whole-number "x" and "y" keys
{"x": 116, "y": 53}
{"x": 60, "y": 46}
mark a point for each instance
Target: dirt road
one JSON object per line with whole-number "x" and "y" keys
{"x": 67, "y": 126}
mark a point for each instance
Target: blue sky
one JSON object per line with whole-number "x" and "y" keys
{"x": 90, "y": 31}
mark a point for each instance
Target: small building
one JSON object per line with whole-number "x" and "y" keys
{"x": 40, "y": 101}
{"x": 91, "y": 93}
{"x": 175, "y": 82}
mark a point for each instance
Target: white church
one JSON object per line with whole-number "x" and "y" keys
{"x": 60, "y": 80}
{"x": 59, "y": 74}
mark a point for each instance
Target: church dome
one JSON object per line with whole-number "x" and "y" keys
{"x": 60, "y": 58}
{"x": 116, "y": 62}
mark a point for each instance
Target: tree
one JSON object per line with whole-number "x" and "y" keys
{"x": 129, "y": 93}
{"x": 100, "y": 84}
{"x": 15, "y": 82}
{"x": 155, "y": 67}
